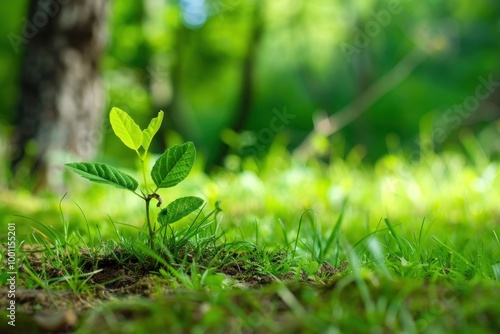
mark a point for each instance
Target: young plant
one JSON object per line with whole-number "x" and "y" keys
{"x": 172, "y": 167}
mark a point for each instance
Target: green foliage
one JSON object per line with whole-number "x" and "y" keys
{"x": 151, "y": 130}
{"x": 125, "y": 128}
{"x": 178, "y": 209}
{"x": 172, "y": 167}
{"x": 404, "y": 273}
{"x": 208, "y": 63}
{"x": 420, "y": 237}
{"x": 103, "y": 173}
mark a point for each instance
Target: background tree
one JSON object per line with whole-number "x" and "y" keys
{"x": 189, "y": 58}
{"x": 61, "y": 94}
{"x": 247, "y": 79}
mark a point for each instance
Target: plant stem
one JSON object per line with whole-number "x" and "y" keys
{"x": 144, "y": 176}
{"x": 147, "y": 198}
{"x": 151, "y": 232}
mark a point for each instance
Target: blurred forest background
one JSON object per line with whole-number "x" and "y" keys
{"x": 234, "y": 76}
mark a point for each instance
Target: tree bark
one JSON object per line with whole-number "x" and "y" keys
{"x": 61, "y": 100}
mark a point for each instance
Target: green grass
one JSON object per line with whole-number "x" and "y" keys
{"x": 314, "y": 247}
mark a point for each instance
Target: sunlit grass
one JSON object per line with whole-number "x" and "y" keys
{"x": 418, "y": 238}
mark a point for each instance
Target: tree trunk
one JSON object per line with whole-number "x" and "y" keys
{"x": 247, "y": 81}
{"x": 61, "y": 100}
{"x": 175, "y": 118}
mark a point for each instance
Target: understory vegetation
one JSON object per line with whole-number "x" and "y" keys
{"x": 256, "y": 166}
{"x": 324, "y": 246}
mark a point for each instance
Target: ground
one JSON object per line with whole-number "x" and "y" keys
{"x": 132, "y": 298}
{"x": 317, "y": 248}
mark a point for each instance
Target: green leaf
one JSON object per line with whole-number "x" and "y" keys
{"x": 125, "y": 128}
{"x": 173, "y": 165}
{"x": 178, "y": 209}
{"x": 150, "y": 131}
{"x": 103, "y": 173}
{"x": 496, "y": 271}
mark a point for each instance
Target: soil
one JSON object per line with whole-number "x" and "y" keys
{"x": 58, "y": 309}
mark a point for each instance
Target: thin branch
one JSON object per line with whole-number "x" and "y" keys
{"x": 327, "y": 126}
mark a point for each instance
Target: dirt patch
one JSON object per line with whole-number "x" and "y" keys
{"x": 59, "y": 307}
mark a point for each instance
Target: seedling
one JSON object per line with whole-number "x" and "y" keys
{"x": 172, "y": 167}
